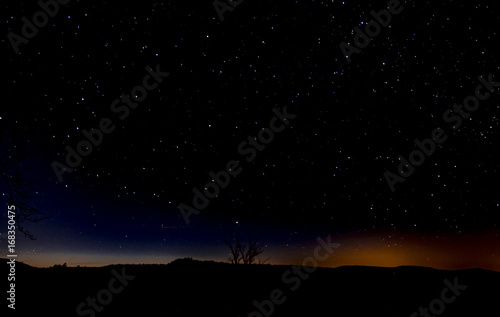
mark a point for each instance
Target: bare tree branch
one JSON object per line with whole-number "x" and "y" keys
{"x": 246, "y": 253}
{"x": 19, "y": 189}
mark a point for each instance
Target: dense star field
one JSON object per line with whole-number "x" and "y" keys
{"x": 301, "y": 142}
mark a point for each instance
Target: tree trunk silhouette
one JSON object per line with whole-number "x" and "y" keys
{"x": 244, "y": 253}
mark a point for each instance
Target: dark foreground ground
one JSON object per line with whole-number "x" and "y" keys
{"x": 193, "y": 288}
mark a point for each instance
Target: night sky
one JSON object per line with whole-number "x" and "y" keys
{"x": 322, "y": 174}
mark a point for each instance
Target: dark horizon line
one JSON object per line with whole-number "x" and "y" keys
{"x": 264, "y": 264}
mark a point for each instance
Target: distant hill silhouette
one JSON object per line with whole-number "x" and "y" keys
{"x": 202, "y": 288}
{"x": 3, "y": 263}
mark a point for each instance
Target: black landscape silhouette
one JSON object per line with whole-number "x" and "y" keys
{"x": 188, "y": 287}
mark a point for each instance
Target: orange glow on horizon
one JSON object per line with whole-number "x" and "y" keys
{"x": 447, "y": 252}
{"x": 439, "y": 252}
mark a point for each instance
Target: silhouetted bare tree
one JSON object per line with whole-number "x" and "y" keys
{"x": 244, "y": 253}
{"x": 234, "y": 247}
{"x": 249, "y": 255}
{"x": 19, "y": 189}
